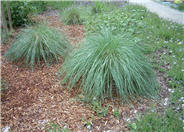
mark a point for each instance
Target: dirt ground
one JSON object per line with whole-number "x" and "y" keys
{"x": 35, "y": 98}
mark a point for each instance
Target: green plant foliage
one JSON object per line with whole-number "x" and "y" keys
{"x": 109, "y": 65}
{"x": 100, "y": 7}
{"x": 39, "y": 6}
{"x": 98, "y": 109}
{"x": 154, "y": 33}
{"x": 22, "y": 10}
{"x": 127, "y": 19}
{"x": 181, "y": 6}
{"x": 38, "y": 43}
{"x": 116, "y": 113}
{"x": 5, "y": 35}
{"x": 53, "y": 127}
{"x": 3, "y": 86}
{"x": 135, "y": 20}
{"x": 153, "y": 122}
{"x": 75, "y": 15}
{"x": 87, "y": 122}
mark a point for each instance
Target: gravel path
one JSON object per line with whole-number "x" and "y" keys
{"x": 163, "y": 11}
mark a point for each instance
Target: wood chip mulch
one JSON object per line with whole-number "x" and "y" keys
{"x": 35, "y": 98}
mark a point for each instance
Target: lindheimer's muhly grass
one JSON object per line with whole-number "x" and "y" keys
{"x": 75, "y": 15}
{"x": 109, "y": 66}
{"x": 38, "y": 43}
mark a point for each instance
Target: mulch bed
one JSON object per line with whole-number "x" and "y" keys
{"x": 35, "y": 98}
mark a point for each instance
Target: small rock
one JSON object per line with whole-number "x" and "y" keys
{"x": 182, "y": 105}
{"x": 6, "y": 129}
{"x": 89, "y": 127}
{"x": 178, "y": 108}
{"x": 135, "y": 111}
{"x": 117, "y": 121}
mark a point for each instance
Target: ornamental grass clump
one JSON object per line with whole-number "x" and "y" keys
{"x": 75, "y": 15}
{"x": 38, "y": 43}
{"x": 107, "y": 66}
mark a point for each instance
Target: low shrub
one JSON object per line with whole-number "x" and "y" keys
{"x": 39, "y": 6}
{"x": 21, "y": 10}
{"x": 74, "y": 15}
{"x": 38, "y": 43}
{"x": 107, "y": 66}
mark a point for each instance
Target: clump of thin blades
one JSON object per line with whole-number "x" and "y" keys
{"x": 75, "y": 15}
{"x": 38, "y": 43}
{"x": 106, "y": 66}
